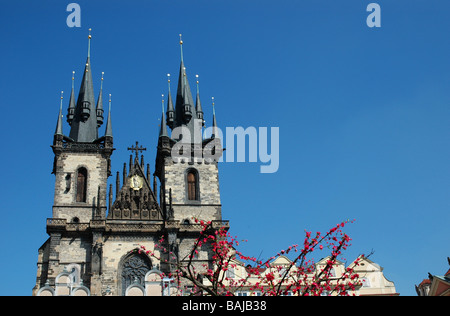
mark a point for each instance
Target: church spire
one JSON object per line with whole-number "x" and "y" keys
{"x": 163, "y": 131}
{"x": 187, "y": 104}
{"x": 198, "y": 105}
{"x": 214, "y": 123}
{"x": 184, "y": 101}
{"x": 170, "y": 109}
{"x": 71, "y": 110}
{"x": 84, "y": 123}
{"x": 108, "y": 129}
{"x": 100, "y": 104}
{"x": 59, "y": 130}
{"x": 185, "y": 113}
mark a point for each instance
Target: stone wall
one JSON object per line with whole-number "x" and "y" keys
{"x": 208, "y": 205}
{"x": 65, "y": 205}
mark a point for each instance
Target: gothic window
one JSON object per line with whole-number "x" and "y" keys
{"x": 134, "y": 269}
{"x": 81, "y": 185}
{"x": 192, "y": 185}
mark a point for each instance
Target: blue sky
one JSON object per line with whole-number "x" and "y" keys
{"x": 363, "y": 115}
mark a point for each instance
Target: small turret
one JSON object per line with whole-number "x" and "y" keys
{"x": 108, "y": 129}
{"x": 215, "y": 132}
{"x": 85, "y": 103}
{"x": 100, "y": 104}
{"x": 59, "y": 130}
{"x": 71, "y": 110}
{"x": 163, "y": 131}
{"x": 170, "y": 109}
{"x": 198, "y": 105}
{"x": 187, "y": 107}
{"x": 108, "y": 138}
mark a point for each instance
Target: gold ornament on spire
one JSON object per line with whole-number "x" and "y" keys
{"x": 89, "y": 42}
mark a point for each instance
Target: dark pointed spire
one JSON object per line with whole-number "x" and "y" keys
{"x": 185, "y": 112}
{"x": 84, "y": 123}
{"x": 198, "y": 104}
{"x": 71, "y": 110}
{"x": 59, "y": 123}
{"x": 184, "y": 107}
{"x": 163, "y": 131}
{"x": 100, "y": 104}
{"x": 108, "y": 129}
{"x": 170, "y": 109}
{"x": 215, "y": 131}
{"x": 187, "y": 99}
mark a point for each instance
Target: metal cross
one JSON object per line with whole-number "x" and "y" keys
{"x": 137, "y": 149}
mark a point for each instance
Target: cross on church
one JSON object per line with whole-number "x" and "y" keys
{"x": 137, "y": 149}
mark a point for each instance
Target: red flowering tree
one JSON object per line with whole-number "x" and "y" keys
{"x": 298, "y": 276}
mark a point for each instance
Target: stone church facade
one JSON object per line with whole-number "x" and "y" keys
{"x": 95, "y": 230}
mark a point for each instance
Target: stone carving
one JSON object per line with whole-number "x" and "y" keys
{"x": 134, "y": 269}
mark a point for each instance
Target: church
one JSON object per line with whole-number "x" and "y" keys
{"x": 94, "y": 230}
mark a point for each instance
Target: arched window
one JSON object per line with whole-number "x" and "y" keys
{"x": 192, "y": 185}
{"x": 81, "y": 185}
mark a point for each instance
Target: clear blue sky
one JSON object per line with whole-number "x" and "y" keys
{"x": 363, "y": 113}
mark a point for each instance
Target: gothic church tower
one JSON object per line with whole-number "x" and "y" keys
{"x": 94, "y": 230}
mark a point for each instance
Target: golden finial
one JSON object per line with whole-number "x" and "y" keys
{"x": 60, "y": 106}
{"x": 214, "y": 109}
{"x": 101, "y": 82}
{"x": 168, "y": 81}
{"x": 89, "y": 43}
{"x": 181, "y": 48}
{"x": 198, "y": 89}
{"x": 162, "y": 102}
